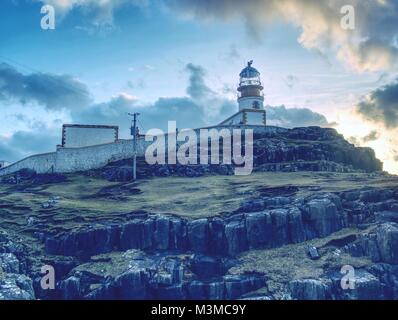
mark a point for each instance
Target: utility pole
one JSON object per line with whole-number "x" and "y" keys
{"x": 134, "y": 134}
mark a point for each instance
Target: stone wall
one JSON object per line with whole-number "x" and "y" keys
{"x": 92, "y": 157}
{"x": 77, "y": 159}
{"x": 41, "y": 163}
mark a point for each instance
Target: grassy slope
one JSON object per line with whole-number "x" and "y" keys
{"x": 87, "y": 200}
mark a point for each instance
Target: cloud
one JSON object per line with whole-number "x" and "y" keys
{"x": 192, "y": 111}
{"x": 100, "y": 12}
{"x": 55, "y": 92}
{"x": 27, "y": 142}
{"x": 370, "y": 46}
{"x": 201, "y": 107}
{"x": 381, "y": 106}
{"x": 197, "y": 89}
{"x": 295, "y": 117}
{"x": 372, "y": 136}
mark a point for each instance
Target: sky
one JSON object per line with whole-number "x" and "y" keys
{"x": 180, "y": 60}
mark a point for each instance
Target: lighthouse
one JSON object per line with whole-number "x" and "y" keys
{"x": 250, "y": 90}
{"x": 250, "y": 99}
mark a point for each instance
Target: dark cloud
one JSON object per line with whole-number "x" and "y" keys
{"x": 183, "y": 110}
{"x": 197, "y": 88}
{"x": 295, "y": 117}
{"x": 52, "y": 91}
{"x": 372, "y": 136}
{"x": 189, "y": 112}
{"x": 381, "y": 106}
{"x": 25, "y": 143}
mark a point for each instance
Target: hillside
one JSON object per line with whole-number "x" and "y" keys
{"x": 201, "y": 233}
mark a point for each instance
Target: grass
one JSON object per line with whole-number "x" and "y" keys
{"x": 87, "y": 200}
{"x": 291, "y": 262}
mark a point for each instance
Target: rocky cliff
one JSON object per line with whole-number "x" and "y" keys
{"x": 287, "y": 237}
{"x": 290, "y": 150}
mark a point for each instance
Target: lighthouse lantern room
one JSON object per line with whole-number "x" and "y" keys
{"x": 250, "y": 99}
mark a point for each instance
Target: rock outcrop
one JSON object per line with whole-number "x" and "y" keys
{"x": 288, "y": 150}
{"x": 259, "y": 223}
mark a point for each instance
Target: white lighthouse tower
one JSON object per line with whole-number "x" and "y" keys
{"x": 250, "y": 90}
{"x": 250, "y": 99}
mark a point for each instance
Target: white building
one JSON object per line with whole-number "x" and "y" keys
{"x": 78, "y": 136}
{"x": 250, "y": 99}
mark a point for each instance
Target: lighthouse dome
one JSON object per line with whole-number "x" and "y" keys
{"x": 249, "y": 76}
{"x": 249, "y": 72}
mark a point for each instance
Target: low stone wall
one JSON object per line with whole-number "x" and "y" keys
{"x": 41, "y": 163}
{"x": 92, "y": 157}
{"x": 81, "y": 159}
{"x": 77, "y": 159}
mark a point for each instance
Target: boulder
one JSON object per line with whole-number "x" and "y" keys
{"x": 313, "y": 253}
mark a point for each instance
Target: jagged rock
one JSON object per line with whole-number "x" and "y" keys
{"x": 132, "y": 235}
{"x": 217, "y": 237}
{"x": 198, "y": 235}
{"x": 9, "y": 263}
{"x": 310, "y": 289}
{"x": 295, "y": 226}
{"x": 16, "y": 287}
{"x": 365, "y": 286}
{"x": 252, "y": 205}
{"x": 387, "y": 274}
{"x": 235, "y": 286}
{"x": 387, "y": 241}
{"x": 131, "y": 285}
{"x": 235, "y": 233}
{"x": 177, "y": 234}
{"x": 161, "y": 234}
{"x": 259, "y": 229}
{"x": 279, "y": 218}
{"x": 380, "y": 245}
{"x": 322, "y": 217}
{"x": 70, "y": 288}
{"x": 207, "y": 266}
